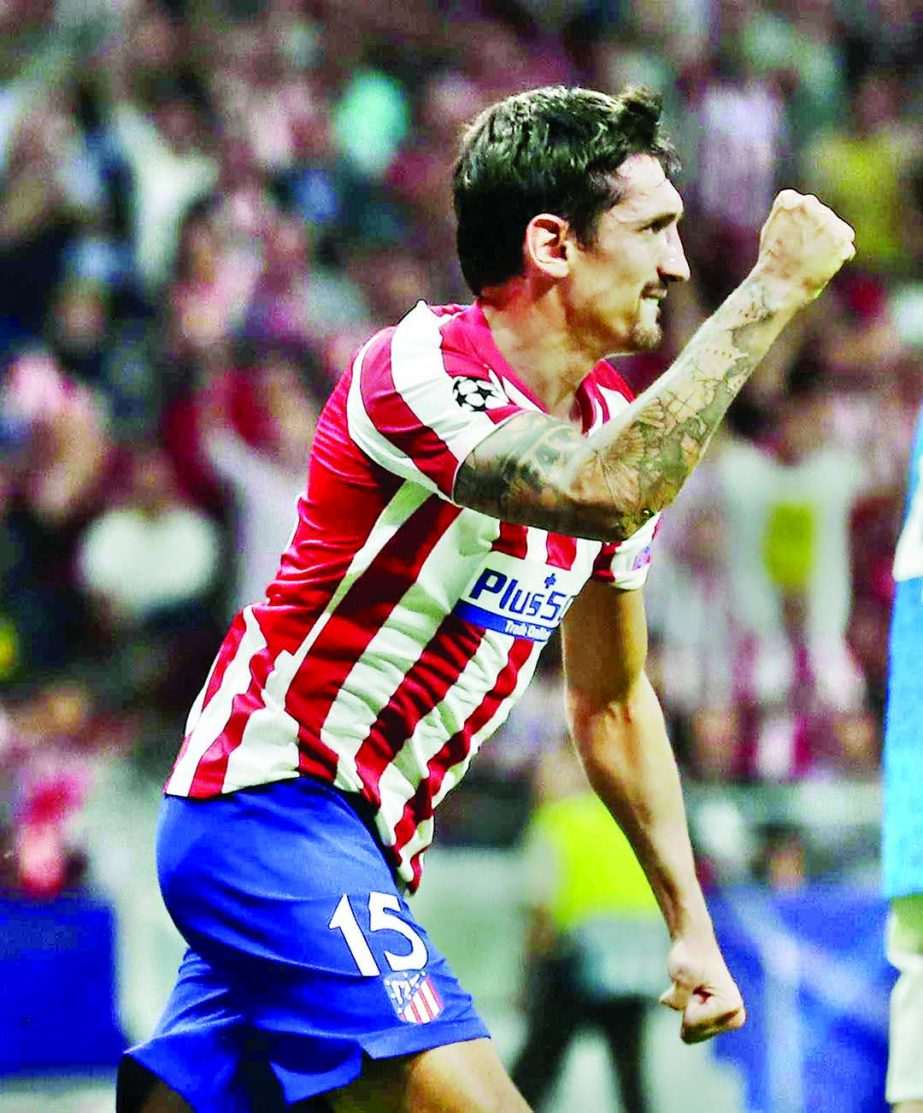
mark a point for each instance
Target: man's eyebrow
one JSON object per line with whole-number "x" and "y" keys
{"x": 663, "y": 218}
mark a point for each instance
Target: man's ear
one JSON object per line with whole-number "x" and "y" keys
{"x": 546, "y": 245}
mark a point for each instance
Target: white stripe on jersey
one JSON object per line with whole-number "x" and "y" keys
{"x": 195, "y": 712}
{"x": 268, "y": 749}
{"x": 374, "y": 444}
{"x": 255, "y": 744}
{"x": 394, "y": 649}
{"x": 423, "y": 835}
{"x": 443, "y": 721}
{"x": 215, "y": 715}
{"x": 419, "y": 374}
{"x": 516, "y": 395}
{"x": 614, "y": 399}
{"x": 431, "y": 733}
{"x": 420, "y": 378}
{"x": 537, "y": 544}
{"x": 499, "y": 717}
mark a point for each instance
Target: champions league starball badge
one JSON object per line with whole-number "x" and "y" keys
{"x": 478, "y": 395}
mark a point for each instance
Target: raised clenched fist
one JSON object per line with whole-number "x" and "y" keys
{"x": 803, "y": 244}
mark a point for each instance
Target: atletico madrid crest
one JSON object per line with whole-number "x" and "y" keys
{"x": 413, "y": 996}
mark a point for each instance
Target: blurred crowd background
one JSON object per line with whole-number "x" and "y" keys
{"x": 206, "y": 207}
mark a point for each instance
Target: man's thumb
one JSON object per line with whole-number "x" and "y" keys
{"x": 676, "y": 997}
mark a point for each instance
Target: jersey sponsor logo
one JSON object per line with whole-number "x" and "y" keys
{"x": 413, "y": 997}
{"x": 477, "y": 395}
{"x": 520, "y": 599}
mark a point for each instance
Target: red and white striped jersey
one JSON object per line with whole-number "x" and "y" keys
{"x": 401, "y": 627}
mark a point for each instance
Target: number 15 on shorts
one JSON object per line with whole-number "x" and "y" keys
{"x": 382, "y": 907}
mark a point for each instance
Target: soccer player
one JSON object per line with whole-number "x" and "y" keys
{"x": 478, "y": 478}
{"x": 903, "y": 819}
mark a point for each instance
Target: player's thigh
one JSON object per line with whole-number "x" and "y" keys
{"x": 463, "y": 1077}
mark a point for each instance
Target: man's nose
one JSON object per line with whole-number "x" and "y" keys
{"x": 674, "y": 267}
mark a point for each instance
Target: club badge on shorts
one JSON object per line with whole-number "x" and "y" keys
{"x": 413, "y": 996}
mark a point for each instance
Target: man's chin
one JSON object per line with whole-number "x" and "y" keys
{"x": 645, "y": 338}
{"x": 641, "y": 338}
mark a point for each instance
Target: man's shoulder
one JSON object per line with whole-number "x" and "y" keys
{"x": 437, "y": 337}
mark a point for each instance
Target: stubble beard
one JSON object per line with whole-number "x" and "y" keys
{"x": 645, "y": 338}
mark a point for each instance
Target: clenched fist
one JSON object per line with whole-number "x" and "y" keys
{"x": 802, "y": 245}
{"x": 702, "y": 990}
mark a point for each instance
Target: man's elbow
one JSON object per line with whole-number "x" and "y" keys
{"x": 612, "y": 499}
{"x": 595, "y": 717}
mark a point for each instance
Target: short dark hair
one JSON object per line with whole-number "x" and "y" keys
{"x": 554, "y": 150}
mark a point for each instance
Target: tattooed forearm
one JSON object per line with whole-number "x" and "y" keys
{"x": 523, "y": 473}
{"x": 664, "y": 434}
{"x": 540, "y": 471}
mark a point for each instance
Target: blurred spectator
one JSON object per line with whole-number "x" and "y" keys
{"x": 77, "y": 329}
{"x": 54, "y": 462}
{"x": 782, "y": 859}
{"x": 788, "y": 515}
{"x": 861, "y": 167}
{"x": 296, "y": 300}
{"x": 51, "y": 748}
{"x": 51, "y": 192}
{"x": 693, "y": 651}
{"x": 371, "y": 120}
{"x": 264, "y": 93}
{"x": 758, "y": 658}
{"x": 595, "y": 940}
{"x": 171, "y": 167}
{"x": 265, "y": 472}
{"x": 152, "y": 555}
{"x": 68, "y": 446}
{"x": 150, "y": 570}
{"x": 321, "y": 186}
{"x": 210, "y": 292}
{"x": 739, "y": 120}
{"x": 798, "y": 45}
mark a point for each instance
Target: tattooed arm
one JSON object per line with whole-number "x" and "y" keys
{"x": 540, "y": 471}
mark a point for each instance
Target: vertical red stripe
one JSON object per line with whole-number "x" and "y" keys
{"x": 320, "y": 761}
{"x": 432, "y": 675}
{"x": 512, "y": 539}
{"x": 394, "y": 419}
{"x": 212, "y": 768}
{"x": 362, "y": 613}
{"x": 562, "y": 551}
{"x": 226, "y": 654}
{"x": 420, "y": 806}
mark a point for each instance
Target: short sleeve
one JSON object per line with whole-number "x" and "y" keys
{"x": 414, "y": 414}
{"x": 625, "y": 565}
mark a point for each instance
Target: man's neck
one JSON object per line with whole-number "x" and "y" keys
{"x": 532, "y": 336}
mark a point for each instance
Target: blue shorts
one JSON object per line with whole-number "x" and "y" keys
{"x": 303, "y": 955}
